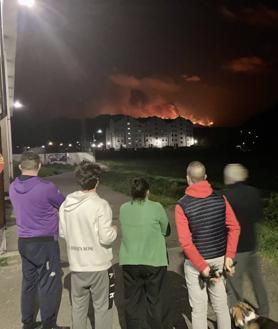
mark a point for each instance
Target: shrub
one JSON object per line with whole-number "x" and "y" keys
{"x": 271, "y": 209}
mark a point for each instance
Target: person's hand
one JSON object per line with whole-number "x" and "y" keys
{"x": 229, "y": 266}
{"x": 205, "y": 272}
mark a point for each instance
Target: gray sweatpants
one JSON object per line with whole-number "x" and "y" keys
{"x": 198, "y": 298}
{"x": 248, "y": 264}
{"x": 99, "y": 285}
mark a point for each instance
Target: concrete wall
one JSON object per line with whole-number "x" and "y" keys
{"x": 64, "y": 158}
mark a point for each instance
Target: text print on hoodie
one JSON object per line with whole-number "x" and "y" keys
{"x": 86, "y": 225}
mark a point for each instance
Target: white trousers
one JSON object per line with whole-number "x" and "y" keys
{"x": 198, "y": 298}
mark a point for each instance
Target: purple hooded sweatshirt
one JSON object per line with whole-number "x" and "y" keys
{"x": 36, "y": 202}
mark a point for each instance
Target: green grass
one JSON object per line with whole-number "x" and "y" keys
{"x": 55, "y": 169}
{"x": 268, "y": 241}
{"x": 163, "y": 188}
{"x": 49, "y": 170}
{"x": 167, "y": 177}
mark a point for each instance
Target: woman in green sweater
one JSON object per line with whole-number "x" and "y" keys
{"x": 143, "y": 256}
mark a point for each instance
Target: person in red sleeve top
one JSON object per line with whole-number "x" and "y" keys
{"x": 208, "y": 233}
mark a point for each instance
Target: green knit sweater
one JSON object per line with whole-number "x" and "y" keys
{"x": 143, "y": 227}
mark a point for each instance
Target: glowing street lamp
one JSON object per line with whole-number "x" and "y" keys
{"x": 26, "y": 3}
{"x": 18, "y": 105}
{"x": 99, "y": 131}
{"x": 50, "y": 143}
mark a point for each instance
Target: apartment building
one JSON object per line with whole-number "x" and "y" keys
{"x": 128, "y": 132}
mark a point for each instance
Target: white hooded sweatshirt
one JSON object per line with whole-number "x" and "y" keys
{"x": 85, "y": 224}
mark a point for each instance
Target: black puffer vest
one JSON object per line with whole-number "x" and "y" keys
{"x": 206, "y": 218}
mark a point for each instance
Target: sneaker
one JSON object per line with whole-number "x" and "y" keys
{"x": 36, "y": 325}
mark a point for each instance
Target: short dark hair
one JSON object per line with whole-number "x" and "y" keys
{"x": 87, "y": 174}
{"x": 30, "y": 161}
{"x": 139, "y": 188}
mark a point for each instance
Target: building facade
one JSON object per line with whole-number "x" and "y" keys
{"x": 9, "y": 10}
{"x": 128, "y": 132}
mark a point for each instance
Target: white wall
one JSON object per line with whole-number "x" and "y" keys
{"x": 65, "y": 158}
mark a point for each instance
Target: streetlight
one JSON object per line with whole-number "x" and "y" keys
{"x": 18, "y": 105}
{"x": 99, "y": 131}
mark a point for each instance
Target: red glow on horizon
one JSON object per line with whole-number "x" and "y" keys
{"x": 196, "y": 122}
{"x": 157, "y": 108}
{"x": 172, "y": 112}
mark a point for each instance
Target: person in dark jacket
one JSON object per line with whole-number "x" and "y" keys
{"x": 36, "y": 202}
{"x": 247, "y": 205}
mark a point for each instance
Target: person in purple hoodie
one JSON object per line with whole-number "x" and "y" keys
{"x": 36, "y": 202}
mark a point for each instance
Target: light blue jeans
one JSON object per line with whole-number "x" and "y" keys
{"x": 198, "y": 298}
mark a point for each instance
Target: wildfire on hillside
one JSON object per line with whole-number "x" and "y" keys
{"x": 149, "y": 97}
{"x": 161, "y": 110}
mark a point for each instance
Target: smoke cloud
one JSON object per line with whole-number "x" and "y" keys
{"x": 187, "y": 96}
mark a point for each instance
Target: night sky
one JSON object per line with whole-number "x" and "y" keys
{"x": 209, "y": 61}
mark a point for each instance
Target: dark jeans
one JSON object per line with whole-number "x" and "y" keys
{"x": 143, "y": 285}
{"x": 248, "y": 264}
{"x": 41, "y": 278}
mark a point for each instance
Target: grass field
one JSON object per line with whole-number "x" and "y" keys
{"x": 48, "y": 170}
{"x": 166, "y": 177}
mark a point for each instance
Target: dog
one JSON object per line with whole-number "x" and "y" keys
{"x": 245, "y": 317}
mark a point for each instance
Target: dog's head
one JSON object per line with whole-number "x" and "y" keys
{"x": 242, "y": 313}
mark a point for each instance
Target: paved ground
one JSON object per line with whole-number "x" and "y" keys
{"x": 175, "y": 295}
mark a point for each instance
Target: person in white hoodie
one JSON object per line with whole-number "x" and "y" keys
{"x": 86, "y": 225}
